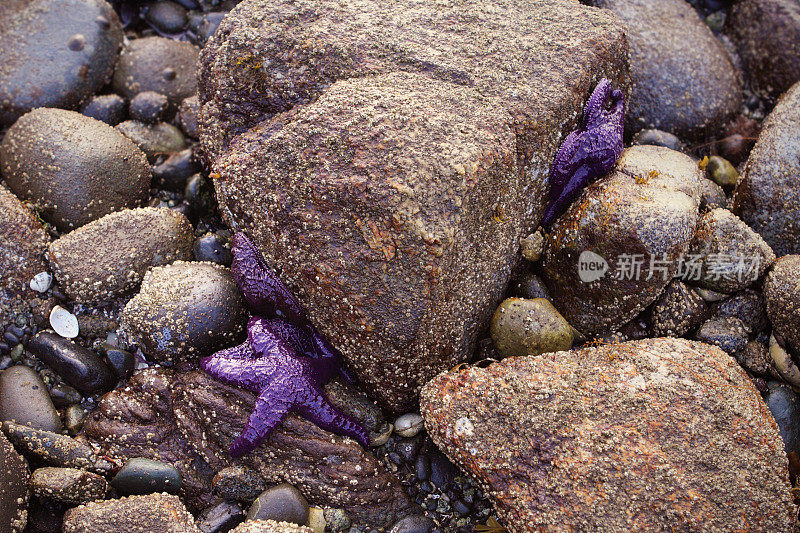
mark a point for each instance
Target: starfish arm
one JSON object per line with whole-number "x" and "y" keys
{"x": 316, "y": 408}
{"x": 267, "y": 341}
{"x": 227, "y": 369}
{"x": 270, "y": 410}
{"x": 260, "y": 286}
{"x": 579, "y": 179}
{"x": 593, "y": 111}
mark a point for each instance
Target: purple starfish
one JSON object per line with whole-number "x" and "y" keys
{"x": 284, "y": 359}
{"x": 589, "y": 152}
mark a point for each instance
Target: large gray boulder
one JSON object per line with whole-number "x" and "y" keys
{"x": 652, "y": 435}
{"x": 393, "y": 200}
{"x": 767, "y": 196}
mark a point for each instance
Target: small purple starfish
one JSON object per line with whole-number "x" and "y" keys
{"x": 284, "y": 359}
{"x": 589, "y": 152}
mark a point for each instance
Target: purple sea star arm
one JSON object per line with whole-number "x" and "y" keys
{"x": 318, "y": 409}
{"x": 239, "y": 372}
{"x": 265, "y": 341}
{"x": 593, "y": 111}
{"x": 262, "y": 289}
{"x": 269, "y": 411}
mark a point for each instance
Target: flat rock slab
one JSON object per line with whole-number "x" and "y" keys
{"x": 394, "y": 202}
{"x": 190, "y": 420}
{"x": 652, "y": 435}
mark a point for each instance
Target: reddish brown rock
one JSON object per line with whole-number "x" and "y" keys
{"x": 394, "y": 200}
{"x": 782, "y": 295}
{"x": 14, "y": 476}
{"x": 189, "y": 420}
{"x": 149, "y": 513}
{"x": 652, "y": 435}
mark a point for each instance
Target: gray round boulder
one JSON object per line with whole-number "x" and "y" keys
{"x": 185, "y": 310}
{"x": 619, "y": 243}
{"x": 56, "y": 53}
{"x": 767, "y": 197}
{"x": 75, "y": 169}
{"x": 110, "y": 256}
{"x": 158, "y": 64}
{"x": 782, "y": 294}
{"x": 683, "y": 80}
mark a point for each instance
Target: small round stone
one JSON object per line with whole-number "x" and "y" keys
{"x": 188, "y": 116}
{"x": 212, "y": 248}
{"x": 68, "y": 485}
{"x": 24, "y": 399}
{"x": 148, "y": 107}
{"x": 316, "y": 519}
{"x": 77, "y": 42}
{"x": 174, "y": 171}
{"x": 532, "y": 246}
{"x": 413, "y": 524}
{"x": 223, "y": 516}
{"x": 409, "y": 424}
{"x": 153, "y": 139}
{"x": 167, "y": 17}
{"x": 41, "y": 281}
{"x": 722, "y": 172}
{"x": 659, "y": 138}
{"x": 198, "y": 192}
{"x": 79, "y": 366}
{"x": 337, "y": 519}
{"x": 74, "y": 417}
{"x": 529, "y": 327}
{"x": 238, "y": 483}
{"x": 108, "y": 108}
{"x": 784, "y": 404}
{"x": 145, "y": 476}
{"x": 64, "y": 323}
{"x": 282, "y": 503}
{"x": 121, "y": 361}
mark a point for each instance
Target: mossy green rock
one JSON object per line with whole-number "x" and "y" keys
{"x": 529, "y": 327}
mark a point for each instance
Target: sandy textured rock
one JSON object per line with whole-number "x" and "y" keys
{"x": 646, "y": 209}
{"x": 651, "y": 435}
{"x": 75, "y": 169}
{"x": 270, "y": 526}
{"x": 683, "y": 81}
{"x": 189, "y": 420}
{"x": 396, "y": 202}
{"x": 767, "y": 36}
{"x": 782, "y": 294}
{"x": 767, "y": 197}
{"x": 23, "y": 241}
{"x": 14, "y": 476}
{"x": 110, "y": 256}
{"x": 68, "y": 485}
{"x": 151, "y": 513}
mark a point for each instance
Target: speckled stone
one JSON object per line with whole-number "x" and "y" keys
{"x": 270, "y": 526}
{"x": 188, "y": 116}
{"x": 153, "y": 513}
{"x": 108, "y": 108}
{"x": 54, "y": 449}
{"x": 144, "y": 476}
{"x": 190, "y": 420}
{"x": 23, "y": 240}
{"x": 729, "y": 333}
{"x": 684, "y": 82}
{"x": 529, "y": 327}
{"x": 55, "y": 53}
{"x": 416, "y": 186}
{"x": 646, "y": 209}
{"x": 767, "y": 37}
{"x": 768, "y": 195}
{"x": 678, "y": 310}
{"x": 784, "y": 404}
{"x": 283, "y": 503}
{"x": 110, "y": 256}
{"x": 650, "y": 435}
{"x": 184, "y": 310}
{"x": 782, "y": 294}
{"x": 67, "y": 485}
{"x": 712, "y": 195}
{"x": 731, "y": 256}
{"x": 157, "y": 64}
{"x": 75, "y": 169}
{"x": 14, "y": 476}
{"x": 24, "y": 399}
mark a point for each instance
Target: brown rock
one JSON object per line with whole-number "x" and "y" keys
{"x": 677, "y": 311}
{"x": 396, "y": 202}
{"x": 151, "y": 513}
{"x": 110, "y": 256}
{"x": 270, "y": 526}
{"x": 14, "y": 476}
{"x": 190, "y": 420}
{"x": 23, "y": 241}
{"x": 644, "y": 211}
{"x": 782, "y": 294}
{"x": 767, "y": 197}
{"x": 767, "y": 35}
{"x": 68, "y": 485}
{"x": 651, "y": 435}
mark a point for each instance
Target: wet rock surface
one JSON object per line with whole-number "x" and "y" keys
{"x": 153, "y": 513}
{"x": 189, "y": 420}
{"x": 22, "y": 244}
{"x": 529, "y": 327}
{"x": 110, "y": 256}
{"x": 153, "y": 139}
{"x": 55, "y": 449}
{"x": 677, "y": 311}
{"x": 67, "y": 485}
{"x": 782, "y": 295}
{"x": 645, "y": 212}
{"x": 767, "y": 37}
{"x": 184, "y": 310}
{"x": 426, "y": 243}
{"x": 616, "y": 437}
{"x": 25, "y": 399}
{"x": 56, "y": 53}
{"x": 73, "y": 168}
{"x": 767, "y": 197}
{"x": 80, "y": 367}
{"x": 144, "y": 476}
{"x": 683, "y": 81}
{"x": 14, "y": 476}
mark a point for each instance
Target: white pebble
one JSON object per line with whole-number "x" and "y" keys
{"x": 63, "y": 322}
{"x": 41, "y": 281}
{"x": 408, "y": 425}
